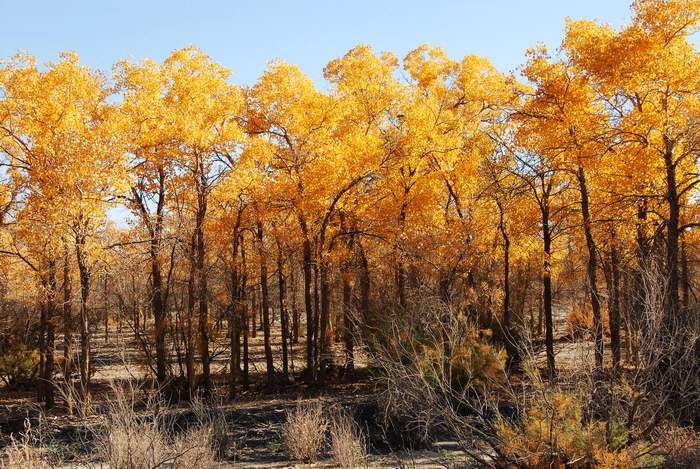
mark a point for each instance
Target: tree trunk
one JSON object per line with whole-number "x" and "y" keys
{"x": 85, "y": 354}
{"x": 50, "y": 336}
{"x": 265, "y": 307}
{"x": 158, "y": 313}
{"x": 67, "y": 319}
{"x": 308, "y": 302}
{"x": 324, "y": 353}
{"x": 614, "y": 306}
{"x": 685, "y": 275}
{"x": 234, "y": 325}
{"x": 508, "y": 333}
{"x": 189, "y": 344}
{"x": 672, "y": 231}
{"x": 295, "y": 306}
{"x": 365, "y": 287}
{"x": 348, "y": 325}
{"x": 284, "y": 319}
{"x": 547, "y": 287}
{"x": 591, "y": 271}
{"x": 202, "y": 294}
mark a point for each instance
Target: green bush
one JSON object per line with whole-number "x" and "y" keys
{"x": 18, "y": 364}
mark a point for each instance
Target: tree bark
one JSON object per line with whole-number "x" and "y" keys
{"x": 547, "y": 286}
{"x": 284, "y": 319}
{"x": 591, "y": 271}
{"x": 85, "y": 353}
{"x": 265, "y": 306}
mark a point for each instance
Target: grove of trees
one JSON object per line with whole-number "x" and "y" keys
{"x": 330, "y": 215}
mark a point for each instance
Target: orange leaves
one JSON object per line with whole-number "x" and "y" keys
{"x": 62, "y": 138}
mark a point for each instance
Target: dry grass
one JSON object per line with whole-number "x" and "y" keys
{"x": 347, "y": 442}
{"x": 33, "y": 448}
{"x": 23, "y": 453}
{"x": 305, "y": 431}
{"x": 149, "y": 440}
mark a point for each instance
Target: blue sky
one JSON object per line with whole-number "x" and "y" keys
{"x": 246, "y": 35}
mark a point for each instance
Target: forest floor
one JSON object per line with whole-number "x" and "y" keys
{"x": 255, "y": 419}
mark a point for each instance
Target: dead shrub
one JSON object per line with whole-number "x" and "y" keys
{"x": 35, "y": 448}
{"x": 347, "y": 441}
{"x": 23, "y": 452}
{"x": 305, "y": 431}
{"x": 149, "y": 440}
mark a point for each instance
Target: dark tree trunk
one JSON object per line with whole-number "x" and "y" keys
{"x": 234, "y": 320}
{"x": 324, "y": 353}
{"x": 308, "y": 302}
{"x": 614, "y": 306}
{"x": 591, "y": 271}
{"x": 202, "y": 294}
{"x": 672, "y": 231}
{"x": 547, "y": 287}
{"x": 67, "y": 320}
{"x": 508, "y": 332}
{"x": 265, "y": 307}
{"x": 50, "y": 336}
{"x": 244, "y": 323}
{"x": 365, "y": 287}
{"x": 189, "y": 333}
{"x": 284, "y": 318}
{"x": 685, "y": 275}
{"x": 295, "y": 306}
{"x": 85, "y": 354}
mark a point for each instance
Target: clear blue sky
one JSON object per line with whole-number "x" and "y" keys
{"x": 245, "y": 35}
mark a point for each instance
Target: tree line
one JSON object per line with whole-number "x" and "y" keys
{"x": 332, "y": 211}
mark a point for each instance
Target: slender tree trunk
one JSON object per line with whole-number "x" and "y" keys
{"x": 614, "y": 306}
{"x": 508, "y": 333}
{"x": 400, "y": 267}
{"x": 244, "y": 309}
{"x": 316, "y": 319}
{"x": 348, "y": 325}
{"x": 324, "y": 353}
{"x": 43, "y": 314}
{"x": 308, "y": 302}
{"x": 547, "y": 288}
{"x": 235, "y": 314}
{"x": 189, "y": 344}
{"x": 67, "y": 319}
{"x": 295, "y": 306}
{"x": 265, "y": 307}
{"x": 365, "y": 287}
{"x": 591, "y": 271}
{"x": 685, "y": 276}
{"x": 253, "y": 314}
{"x": 50, "y": 336}
{"x": 284, "y": 319}
{"x": 234, "y": 324}
{"x": 158, "y": 314}
{"x": 85, "y": 353}
{"x": 202, "y": 294}
{"x": 672, "y": 231}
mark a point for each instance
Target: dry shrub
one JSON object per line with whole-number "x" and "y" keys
{"x": 439, "y": 375}
{"x": 347, "y": 441}
{"x": 193, "y": 448}
{"x": 681, "y": 446}
{"x": 305, "y": 431}
{"x": 210, "y": 417}
{"x": 23, "y": 452}
{"x": 148, "y": 440}
{"x": 35, "y": 447}
{"x": 580, "y": 325}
